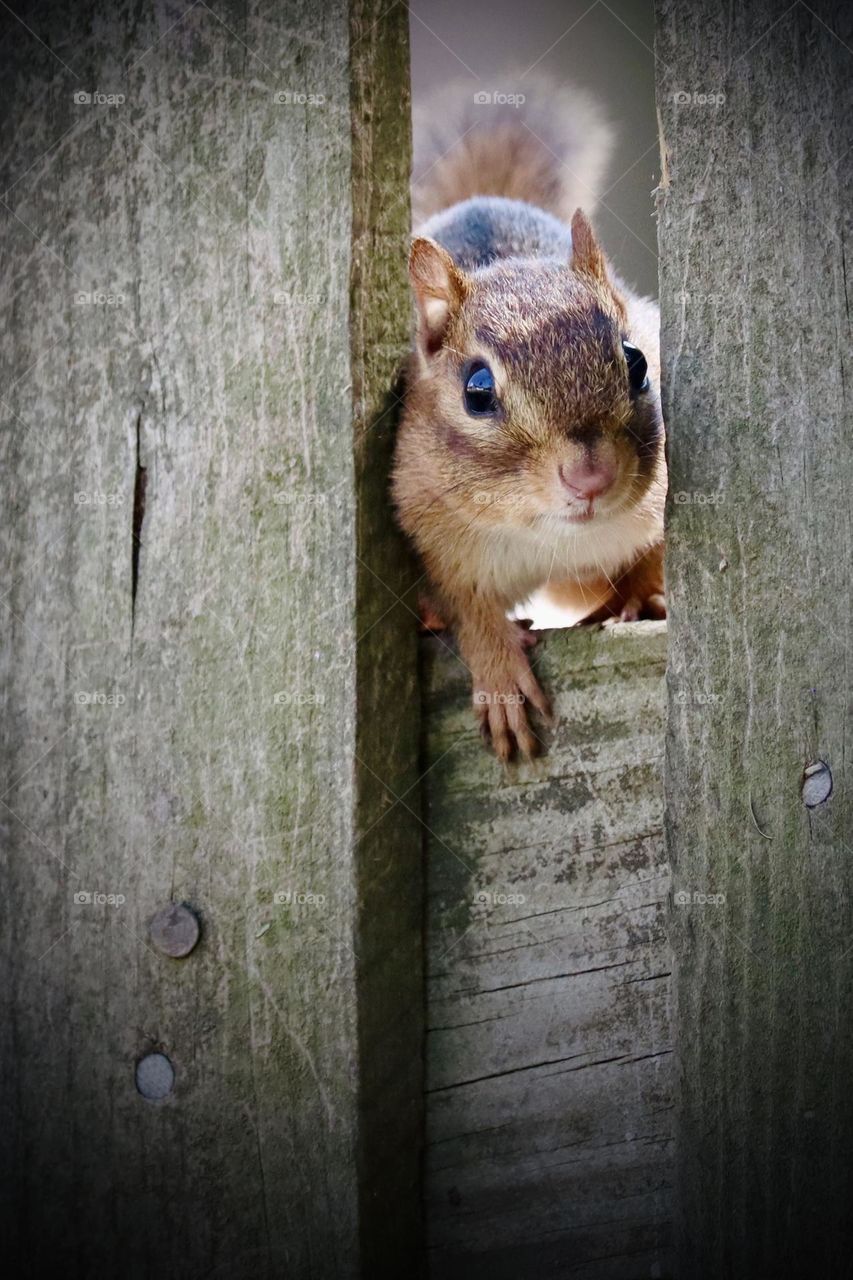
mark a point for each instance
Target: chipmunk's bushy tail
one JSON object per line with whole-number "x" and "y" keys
{"x": 529, "y": 139}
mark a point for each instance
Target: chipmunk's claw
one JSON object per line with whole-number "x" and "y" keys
{"x": 503, "y": 714}
{"x": 509, "y": 734}
{"x": 634, "y": 609}
{"x": 429, "y": 619}
{"x": 631, "y": 610}
{"x": 528, "y": 637}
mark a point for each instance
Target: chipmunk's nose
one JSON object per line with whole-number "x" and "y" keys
{"x": 587, "y": 480}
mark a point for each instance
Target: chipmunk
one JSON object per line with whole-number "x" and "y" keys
{"x": 531, "y": 443}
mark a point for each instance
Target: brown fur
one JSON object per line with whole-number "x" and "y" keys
{"x": 481, "y": 496}
{"x": 551, "y": 150}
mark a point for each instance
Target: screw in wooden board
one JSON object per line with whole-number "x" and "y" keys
{"x": 817, "y": 784}
{"x": 174, "y": 930}
{"x": 155, "y": 1076}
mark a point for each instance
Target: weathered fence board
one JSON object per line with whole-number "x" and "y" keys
{"x": 548, "y": 1038}
{"x": 755, "y": 209}
{"x": 205, "y": 303}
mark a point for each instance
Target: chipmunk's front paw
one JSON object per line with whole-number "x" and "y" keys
{"x": 634, "y": 609}
{"x": 501, "y": 705}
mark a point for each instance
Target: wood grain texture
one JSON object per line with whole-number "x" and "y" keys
{"x": 754, "y": 229}
{"x": 548, "y": 1040}
{"x": 184, "y": 718}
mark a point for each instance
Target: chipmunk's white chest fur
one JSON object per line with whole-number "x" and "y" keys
{"x": 517, "y": 561}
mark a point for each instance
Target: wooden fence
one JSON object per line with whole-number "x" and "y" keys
{"x": 754, "y": 220}
{"x": 206, "y": 305}
{"x": 220, "y": 808}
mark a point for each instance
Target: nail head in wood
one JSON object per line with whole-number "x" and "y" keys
{"x": 817, "y": 784}
{"x": 155, "y": 1076}
{"x": 174, "y": 930}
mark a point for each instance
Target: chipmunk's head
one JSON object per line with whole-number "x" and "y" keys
{"x": 532, "y": 381}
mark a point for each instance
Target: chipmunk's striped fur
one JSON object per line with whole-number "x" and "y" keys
{"x": 499, "y": 505}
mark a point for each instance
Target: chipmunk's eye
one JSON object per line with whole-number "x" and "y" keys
{"x": 480, "y": 390}
{"x": 637, "y": 367}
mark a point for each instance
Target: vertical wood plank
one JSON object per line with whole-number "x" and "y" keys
{"x": 197, "y": 344}
{"x": 755, "y": 109}
{"x": 389, "y": 828}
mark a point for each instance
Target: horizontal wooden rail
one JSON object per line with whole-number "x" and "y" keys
{"x": 548, "y": 1046}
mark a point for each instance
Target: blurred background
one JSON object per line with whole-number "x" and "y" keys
{"x": 605, "y": 49}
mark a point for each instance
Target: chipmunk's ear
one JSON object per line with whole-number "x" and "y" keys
{"x": 440, "y": 289}
{"x": 588, "y": 259}
{"x": 586, "y": 251}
